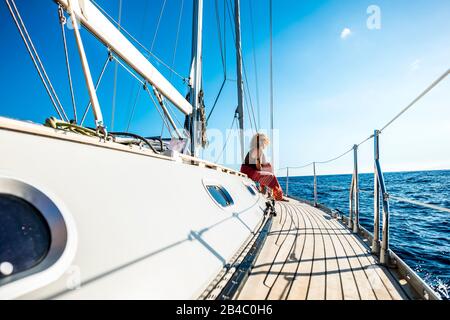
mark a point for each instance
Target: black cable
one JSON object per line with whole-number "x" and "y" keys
{"x": 132, "y": 135}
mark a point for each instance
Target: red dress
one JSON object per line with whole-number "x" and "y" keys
{"x": 265, "y": 177}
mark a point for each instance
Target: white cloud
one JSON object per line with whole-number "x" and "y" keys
{"x": 346, "y": 33}
{"x": 415, "y": 65}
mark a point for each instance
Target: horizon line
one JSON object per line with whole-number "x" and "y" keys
{"x": 349, "y": 174}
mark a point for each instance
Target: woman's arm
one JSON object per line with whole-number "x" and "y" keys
{"x": 257, "y": 156}
{"x": 263, "y": 159}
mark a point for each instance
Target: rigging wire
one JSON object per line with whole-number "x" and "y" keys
{"x": 428, "y": 89}
{"x": 180, "y": 16}
{"x": 170, "y": 108}
{"x": 249, "y": 97}
{"x": 365, "y": 140}
{"x": 300, "y": 167}
{"x": 258, "y": 105}
{"x": 223, "y": 56}
{"x": 434, "y": 84}
{"x": 63, "y": 20}
{"x": 161, "y": 100}
{"x": 157, "y": 25}
{"x": 116, "y": 70}
{"x": 36, "y": 59}
{"x": 271, "y": 78}
{"x": 145, "y": 86}
{"x": 225, "y": 33}
{"x": 419, "y": 203}
{"x": 228, "y": 137}
{"x": 149, "y": 52}
{"x": 175, "y": 48}
{"x": 321, "y": 162}
{"x": 128, "y": 69}
{"x": 159, "y": 111}
{"x": 336, "y": 158}
{"x": 216, "y": 100}
{"x": 137, "y": 87}
{"x": 96, "y": 86}
{"x": 219, "y": 34}
{"x": 253, "y": 124}
{"x": 134, "y": 108}
{"x": 162, "y": 130}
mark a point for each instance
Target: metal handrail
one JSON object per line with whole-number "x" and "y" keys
{"x": 379, "y": 191}
{"x": 350, "y": 201}
{"x": 379, "y": 179}
{"x": 381, "y": 248}
{"x": 420, "y": 204}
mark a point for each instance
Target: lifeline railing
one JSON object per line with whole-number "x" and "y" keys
{"x": 380, "y": 248}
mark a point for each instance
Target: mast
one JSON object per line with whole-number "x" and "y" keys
{"x": 272, "y": 155}
{"x": 240, "y": 85}
{"x": 196, "y": 73}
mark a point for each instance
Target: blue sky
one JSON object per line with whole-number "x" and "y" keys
{"x": 331, "y": 90}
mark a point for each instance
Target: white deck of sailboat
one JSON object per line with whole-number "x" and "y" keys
{"x": 308, "y": 255}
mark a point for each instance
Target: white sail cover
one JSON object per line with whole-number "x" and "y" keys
{"x": 92, "y": 18}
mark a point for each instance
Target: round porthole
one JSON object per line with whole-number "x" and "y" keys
{"x": 35, "y": 234}
{"x": 24, "y": 236}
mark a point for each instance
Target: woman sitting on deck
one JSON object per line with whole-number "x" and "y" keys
{"x": 258, "y": 169}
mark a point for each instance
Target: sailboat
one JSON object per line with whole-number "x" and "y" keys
{"x": 92, "y": 214}
{"x": 120, "y": 219}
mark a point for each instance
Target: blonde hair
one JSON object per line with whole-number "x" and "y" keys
{"x": 263, "y": 140}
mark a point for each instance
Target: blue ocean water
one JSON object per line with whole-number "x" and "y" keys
{"x": 420, "y": 236}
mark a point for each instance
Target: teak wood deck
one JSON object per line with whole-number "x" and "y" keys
{"x": 308, "y": 255}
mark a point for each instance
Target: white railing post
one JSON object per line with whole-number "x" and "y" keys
{"x": 315, "y": 185}
{"x": 350, "y": 200}
{"x": 287, "y": 181}
{"x": 376, "y": 198}
{"x": 384, "y": 251}
{"x": 356, "y": 189}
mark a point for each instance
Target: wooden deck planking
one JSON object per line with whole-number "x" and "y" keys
{"x": 317, "y": 284}
{"x": 382, "y": 282}
{"x": 362, "y": 282}
{"x": 301, "y": 279}
{"x": 349, "y": 287}
{"x": 309, "y": 255}
{"x": 281, "y": 287}
{"x": 265, "y": 260}
{"x": 285, "y": 245}
{"x": 333, "y": 290}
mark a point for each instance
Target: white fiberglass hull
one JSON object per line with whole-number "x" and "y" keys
{"x": 139, "y": 226}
